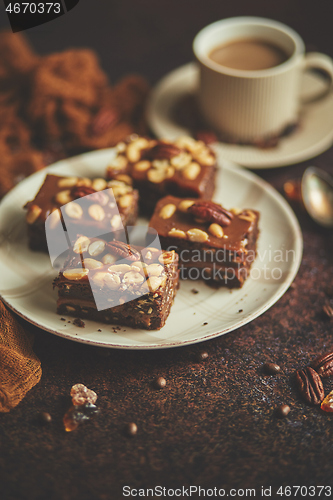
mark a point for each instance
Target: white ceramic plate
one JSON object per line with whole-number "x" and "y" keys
{"x": 26, "y": 276}
{"x": 314, "y": 136}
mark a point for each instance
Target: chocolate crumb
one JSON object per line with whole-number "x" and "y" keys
{"x": 78, "y": 322}
{"x": 271, "y": 368}
{"x": 194, "y": 290}
{"x": 329, "y": 291}
{"x": 240, "y": 311}
{"x": 131, "y": 429}
{"x": 328, "y": 311}
{"x": 44, "y": 417}
{"x": 282, "y": 411}
{"x": 159, "y": 383}
{"x": 205, "y": 323}
{"x": 202, "y": 355}
{"x": 99, "y": 330}
{"x": 63, "y": 319}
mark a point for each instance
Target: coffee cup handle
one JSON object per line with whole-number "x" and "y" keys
{"x": 315, "y": 60}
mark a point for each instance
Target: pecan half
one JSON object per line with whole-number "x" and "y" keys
{"x": 310, "y": 385}
{"x": 211, "y": 212}
{"x": 105, "y": 119}
{"x": 324, "y": 365}
{"x": 80, "y": 191}
{"x": 162, "y": 151}
{"x": 123, "y": 250}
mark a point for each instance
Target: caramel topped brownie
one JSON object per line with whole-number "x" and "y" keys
{"x": 109, "y": 205}
{"x": 213, "y": 243}
{"x": 185, "y": 167}
{"x": 114, "y": 282}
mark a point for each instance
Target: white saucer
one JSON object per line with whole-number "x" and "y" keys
{"x": 314, "y": 136}
{"x": 26, "y": 277}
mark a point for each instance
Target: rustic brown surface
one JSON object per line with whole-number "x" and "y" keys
{"x": 213, "y": 424}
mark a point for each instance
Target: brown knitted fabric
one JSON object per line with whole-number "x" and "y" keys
{"x": 20, "y": 368}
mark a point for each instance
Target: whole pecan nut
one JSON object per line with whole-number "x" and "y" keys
{"x": 310, "y": 385}
{"x": 211, "y": 212}
{"x": 162, "y": 151}
{"x": 123, "y": 250}
{"x": 324, "y": 365}
{"x": 80, "y": 191}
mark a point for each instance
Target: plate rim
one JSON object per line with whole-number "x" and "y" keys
{"x": 157, "y": 125}
{"x": 227, "y": 164}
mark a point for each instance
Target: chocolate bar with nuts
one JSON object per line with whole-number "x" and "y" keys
{"x": 214, "y": 244}
{"x": 184, "y": 168}
{"x": 116, "y": 283}
{"x": 110, "y": 206}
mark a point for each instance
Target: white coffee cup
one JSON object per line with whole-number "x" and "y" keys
{"x": 249, "y": 105}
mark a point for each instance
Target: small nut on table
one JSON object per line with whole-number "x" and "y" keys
{"x": 33, "y": 214}
{"x": 167, "y": 211}
{"x": 197, "y": 235}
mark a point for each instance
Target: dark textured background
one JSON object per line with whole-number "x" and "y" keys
{"x": 214, "y": 423}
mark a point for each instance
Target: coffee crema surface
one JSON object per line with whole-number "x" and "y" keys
{"x": 248, "y": 54}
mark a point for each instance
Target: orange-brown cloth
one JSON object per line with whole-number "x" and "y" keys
{"x": 20, "y": 368}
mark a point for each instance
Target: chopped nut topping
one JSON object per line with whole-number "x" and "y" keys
{"x": 125, "y": 201}
{"x": 99, "y": 184}
{"x": 192, "y": 171}
{"x": 67, "y": 182}
{"x": 142, "y": 166}
{"x": 177, "y": 233}
{"x": 63, "y": 197}
{"x": 54, "y": 218}
{"x": 73, "y": 210}
{"x": 96, "y": 212}
{"x": 81, "y": 245}
{"x": 33, "y": 214}
{"x": 185, "y": 204}
{"x": 92, "y": 263}
{"x": 96, "y": 248}
{"x": 75, "y": 274}
{"x": 167, "y": 211}
{"x": 216, "y": 230}
{"x": 197, "y": 235}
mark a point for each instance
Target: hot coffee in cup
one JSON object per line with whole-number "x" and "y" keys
{"x": 250, "y": 76}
